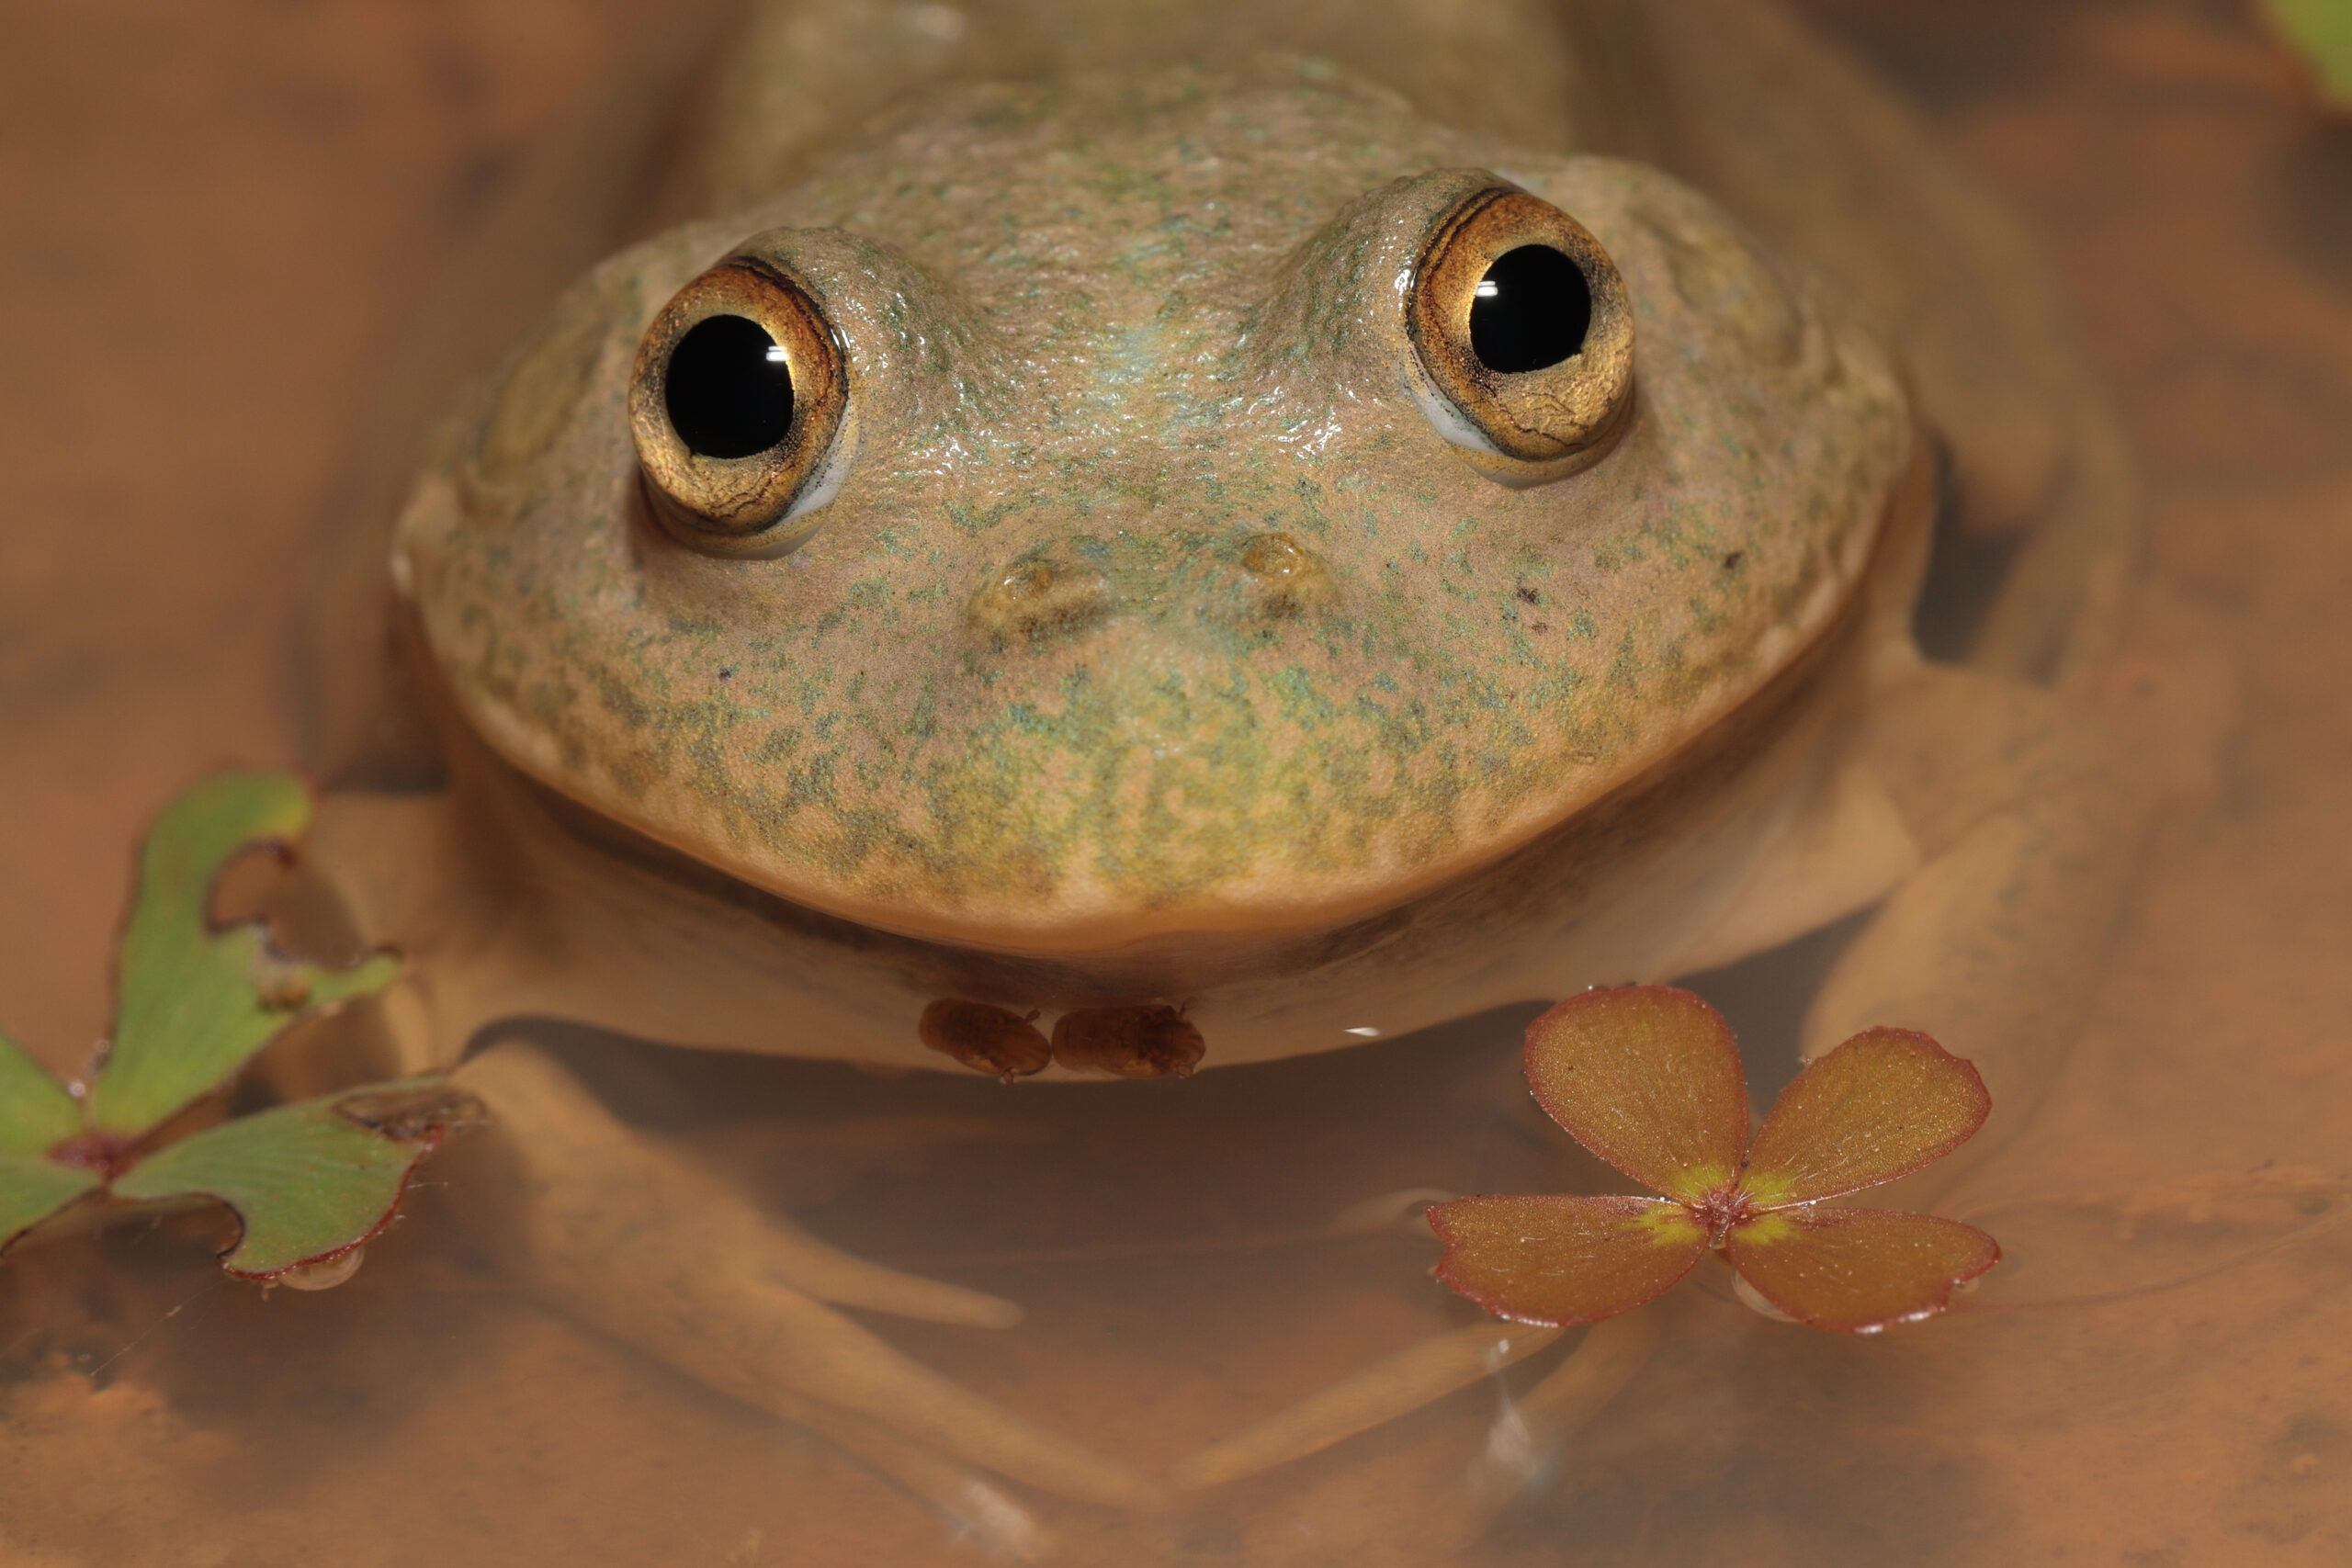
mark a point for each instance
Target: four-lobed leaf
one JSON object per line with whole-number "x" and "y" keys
{"x": 2321, "y": 32}
{"x": 36, "y": 1116}
{"x": 1649, "y": 1079}
{"x": 308, "y": 1182}
{"x": 195, "y": 1003}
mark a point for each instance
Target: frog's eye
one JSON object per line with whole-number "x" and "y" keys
{"x": 735, "y": 405}
{"x": 1521, "y": 322}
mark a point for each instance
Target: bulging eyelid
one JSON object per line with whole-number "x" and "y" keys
{"x": 730, "y": 482}
{"x": 1560, "y": 411}
{"x": 1376, "y": 303}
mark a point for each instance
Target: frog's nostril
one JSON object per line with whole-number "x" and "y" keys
{"x": 1274, "y": 556}
{"x": 1030, "y": 579}
{"x": 1039, "y": 595}
{"x": 1285, "y": 577}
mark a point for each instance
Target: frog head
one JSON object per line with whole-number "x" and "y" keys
{"x": 1143, "y": 513}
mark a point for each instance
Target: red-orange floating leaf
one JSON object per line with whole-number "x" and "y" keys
{"x": 1880, "y": 1106}
{"x": 1563, "y": 1260}
{"x": 1647, "y": 1077}
{"x": 1858, "y": 1270}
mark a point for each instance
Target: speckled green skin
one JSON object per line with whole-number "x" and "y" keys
{"x": 1323, "y": 732}
{"x": 1127, "y": 327}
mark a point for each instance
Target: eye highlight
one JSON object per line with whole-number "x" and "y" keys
{"x": 1531, "y": 310}
{"x": 735, "y": 406}
{"x": 1521, "y": 324}
{"x": 729, "y": 388}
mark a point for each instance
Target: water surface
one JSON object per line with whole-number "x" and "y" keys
{"x": 217, "y": 231}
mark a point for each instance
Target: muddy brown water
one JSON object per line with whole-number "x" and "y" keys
{"x": 217, "y": 231}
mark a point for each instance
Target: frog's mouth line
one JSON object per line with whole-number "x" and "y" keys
{"x": 1129, "y": 1013}
{"x": 1173, "y": 967}
{"x": 927, "y": 970}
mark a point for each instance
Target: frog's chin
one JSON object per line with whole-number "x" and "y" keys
{"x": 526, "y": 808}
{"x": 504, "y": 766}
{"x": 1079, "y": 924}
{"x": 1084, "y": 929}
{"x": 1261, "y": 895}
{"x": 1113, "y": 901}
{"x": 1637, "y": 886}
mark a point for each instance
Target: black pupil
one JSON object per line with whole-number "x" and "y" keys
{"x": 1531, "y": 310}
{"x": 728, "y": 391}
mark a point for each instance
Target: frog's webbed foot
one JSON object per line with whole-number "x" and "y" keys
{"x": 620, "y": 1235}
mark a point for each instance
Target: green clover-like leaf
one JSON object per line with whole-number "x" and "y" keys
{"x": 33, "y": 1188}
{"x": 2321, "y": 32}
{"x": 195, "y": 1004}
{"x": 36, "y": 1115}
{"x": 311, "y": 1180}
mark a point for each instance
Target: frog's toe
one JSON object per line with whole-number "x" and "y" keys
{"x": 1409, "y": 1497}
{"x": 793, "y": 1258}
{"x": 974, "y": 1507}
{"x": 620, "y": 1235}
{"x": 1411, "y": 1500}
{"x": 1526, "y": 1432}
{"x": 1414, "y": 1377}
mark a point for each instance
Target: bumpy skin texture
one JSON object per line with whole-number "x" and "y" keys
{"x": 1162, "y": 687}
{"x": 1298, "y": 662}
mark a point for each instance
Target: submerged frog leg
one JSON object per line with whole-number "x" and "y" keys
{"x": 615, "y": 1234}
{"x": 1413, "y": 1499}
{"x": 972, "y": 1504}
{"x": 1399, "y": 1385}
{"x": 2058, "y": 610}
{"x": 1531, "y": 1440}
{"x": 2028, "y": 824}
{"x": 634, "y": 1239}
{"x": 1520, "y": 1442}
{"x": 572, "y": 1133}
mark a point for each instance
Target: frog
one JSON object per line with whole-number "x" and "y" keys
{"x": 1113, "y": 543}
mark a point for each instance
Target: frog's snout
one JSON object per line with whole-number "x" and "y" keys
{"x": 1068, "y": 586}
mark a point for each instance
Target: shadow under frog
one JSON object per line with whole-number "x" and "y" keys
{"x": 1136, "y": 568}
